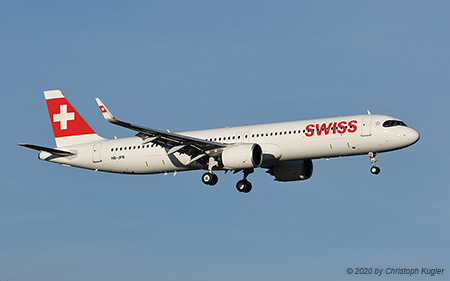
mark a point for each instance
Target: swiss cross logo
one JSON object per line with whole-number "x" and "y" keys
{"x": 63, "y": 116}
{"x": 103, "y": 109}
{"x": 65, "y": 119}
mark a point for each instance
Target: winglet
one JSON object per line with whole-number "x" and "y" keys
{"x": 106, "y": 113}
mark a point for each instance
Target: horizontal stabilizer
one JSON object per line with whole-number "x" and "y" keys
{"x": 47, "y": 149}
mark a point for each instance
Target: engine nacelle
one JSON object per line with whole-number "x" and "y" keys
{"x": 242, "y": 156}
{"x": 292, "y": 170}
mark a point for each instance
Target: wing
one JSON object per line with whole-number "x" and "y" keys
{"x": 194, "y": 147}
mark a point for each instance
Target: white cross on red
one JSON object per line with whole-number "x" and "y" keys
{"x": 63, "y": 116}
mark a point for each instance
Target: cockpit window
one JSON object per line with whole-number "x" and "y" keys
{"x": 393, "y": 123}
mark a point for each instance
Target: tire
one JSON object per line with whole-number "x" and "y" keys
{"x": 244, "y": 186}
{"x": 214, "y": 180}
{"x": 375, "y": 170}
{"x": 210, "y": 178}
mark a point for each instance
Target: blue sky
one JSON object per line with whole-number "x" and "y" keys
{"x": 188, "y": 65}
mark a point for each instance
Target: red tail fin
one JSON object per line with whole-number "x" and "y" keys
{"x": 68, "y": 126}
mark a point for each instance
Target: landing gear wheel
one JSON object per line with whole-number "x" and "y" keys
{"x": 210, "y": 178}
{"x": 244, "y": 186}
{"x": 373, "y": 159}
{"x": 375, "y": 170}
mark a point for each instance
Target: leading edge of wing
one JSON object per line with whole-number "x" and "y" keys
{"x": 170, "y": 138}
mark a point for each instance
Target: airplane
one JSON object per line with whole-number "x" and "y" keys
{"x": 285, "y": 149}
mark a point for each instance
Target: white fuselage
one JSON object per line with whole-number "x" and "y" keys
{"x": 286, "y": 141}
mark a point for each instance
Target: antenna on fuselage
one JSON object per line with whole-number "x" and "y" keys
{"x": 368, "y": 112}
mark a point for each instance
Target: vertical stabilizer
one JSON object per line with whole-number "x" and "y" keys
{"x": 68, "y": 126}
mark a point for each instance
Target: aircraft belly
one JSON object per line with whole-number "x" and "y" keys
{"x": 149, "y": 162}
{"x": 318, "y": 147}
{"x": 163, "y": 163}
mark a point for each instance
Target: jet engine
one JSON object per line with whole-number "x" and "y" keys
{"x": 242, "y": 156}
{"x": 292, "y": 170}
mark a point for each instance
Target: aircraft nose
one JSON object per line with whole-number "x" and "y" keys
{"x": 413, "y": 136}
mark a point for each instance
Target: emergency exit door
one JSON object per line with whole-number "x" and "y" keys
{"x": 365, "y": 127}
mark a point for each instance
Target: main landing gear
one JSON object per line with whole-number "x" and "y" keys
{"x": 210, "y": 178}
{"x": 373, "y": 159}
{"x": 243, "y": 185}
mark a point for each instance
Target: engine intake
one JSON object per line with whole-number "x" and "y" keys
{"x": 242, "y": 156}
{"x": 292, "y": 170}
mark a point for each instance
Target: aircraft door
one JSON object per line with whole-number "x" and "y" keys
{"x": 96, "y": 152}
{"x": 365, "y": 129}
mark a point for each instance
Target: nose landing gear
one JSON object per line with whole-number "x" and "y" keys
{"x": 373, "y": 159}
{"x": 375, "y": 170}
